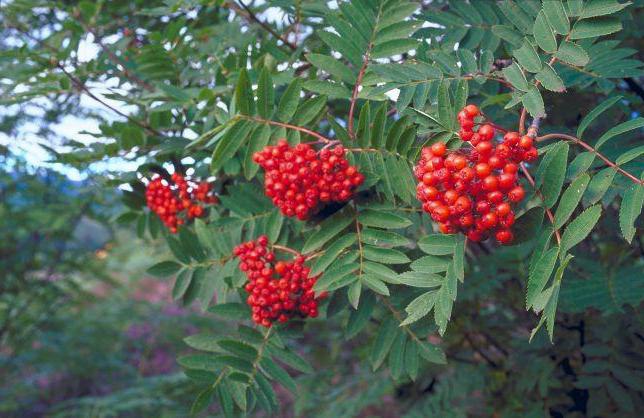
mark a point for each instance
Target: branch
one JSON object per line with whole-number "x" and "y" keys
{"x": 264, "y": 25}
{"x": 480, "y": 352}
{"x": 524, "y": 114}
{"x": 81, "y": 86}
{"x": 117, "y": 61}
{"x": 593, "y": 150}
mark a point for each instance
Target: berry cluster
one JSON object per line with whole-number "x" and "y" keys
{"x": 278, "y": 290}
{"x": 472, "y": 191}
{"x": 177, "y": 201}
{"x": 299, "y": 178}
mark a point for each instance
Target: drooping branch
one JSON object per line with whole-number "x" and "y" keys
{"x": 249, "y": 14}
{"x": 117, "y": 61}
{"x": 80, "y": 85}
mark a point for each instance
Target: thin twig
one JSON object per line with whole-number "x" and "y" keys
{"x": 593, "y": 150}
{"x": 480, "y": 352}
{"x": 260, "y": 352}
{"x": 117, "y": 60}
{"x": 82, "y": 87}
{"x": 285, "y": 249}
{"x": 264, "y": 25}
{"x": 317, "y": 135}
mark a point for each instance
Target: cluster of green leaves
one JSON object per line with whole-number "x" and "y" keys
{"x": 361, "y": 32}
{"x": 239, "y": 368}
{"x": 209, "y": 94}
{"x": 552, "y": 42}
{"x": 585, "y": 191}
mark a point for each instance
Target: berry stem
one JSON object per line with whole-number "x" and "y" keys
{"x": 330, "y": 144}
{"x": 285, "y": 249}
{"x": 584, "y": 145}
{"x": 533, "y": 130}
{"x": 551, "y": 217}
{"x": 317, "y": 135}
{"x": 377, "y": 150}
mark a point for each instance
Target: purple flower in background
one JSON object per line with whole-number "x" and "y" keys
{"x": 173, "y": 310}
{"x": 139, "y": 332}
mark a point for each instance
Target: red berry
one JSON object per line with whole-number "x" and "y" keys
{"x": 506, "y": 180}
{"x": 503, "y": 209}
{"x": 490, "y": 220}
{"x": 511, "y": 138}
{"x": 465, "y": 135}
{"x": 510, "y": 168}
{"x": 463, "y": 204}
{"x": 504, "y": 236}
{"x": 276, "y": 298}
{"x": 486, "y": 132}
{"x": 490, "y": 183}
{"x": 471, "y": 110}
{"x": 280, "y": 267}
{"x": 525, "y": 142}
{"x": 517, "y": 194}
{"x": 531, "y": 154}
{"x": 438, "y": 149}
{"x": 482, "y": 170}
{"x": 471, "y": 190}
{"x": 467, "y": 124}
{"x": 176, "y": 201}
{"x": 298, "y": 178}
